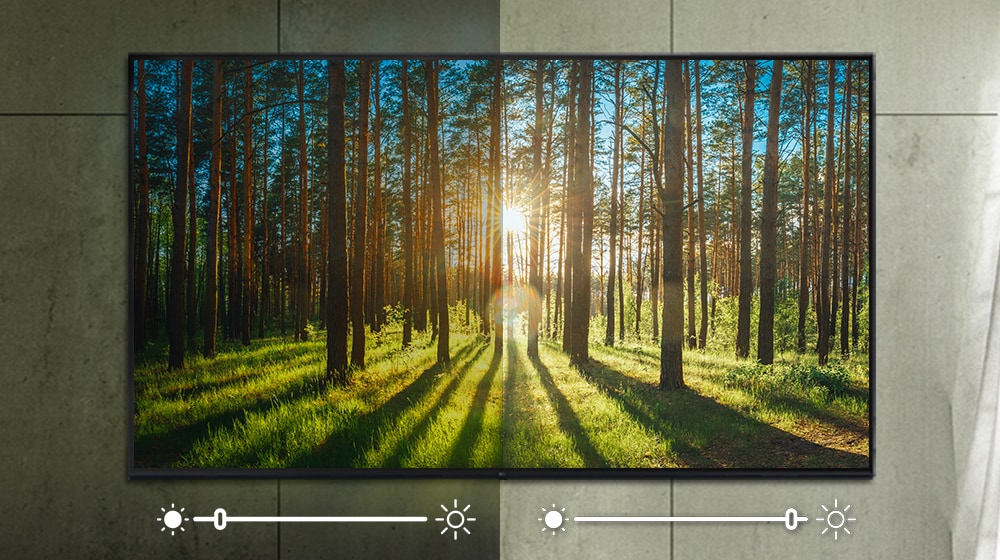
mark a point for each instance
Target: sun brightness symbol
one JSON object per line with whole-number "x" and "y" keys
{"x": 836, "y": 519}
{"x": 172, "y": 519}
{"x": 553, "y": 520}
{"x": 455, "y": 519}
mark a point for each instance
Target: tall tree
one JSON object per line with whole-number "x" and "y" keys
{"x": 703, "y": 330}
{"x": 437, "y": 209}
{"x": 212, "y": 233}
{"x": 692, "y": 339}
{"x": 805, "y": 241}
{"x": 769, "y": 223}
{"x": 360, "y": 222}
{"x": 609, "y": 334}
{"x": 829, "y": 188}
{"x": 672, "y": 202}
{"x": 337, "y": 284}
{"x": 179, "y": 212}
{"x": 303, "y": 288}
{"x": 407, "y": 209}
{"x": 142, "y": 219}
{"x": 582, "y": 215}
{"x": 246, "y": 253}
{"x": 378, "y": 233}
{"x": 746, "y": 221}
{"x": 496, "y": 233}
{"x": 535, "y": 279}
{"x": 846, "y": 230}
{"x": 570, "y": 210}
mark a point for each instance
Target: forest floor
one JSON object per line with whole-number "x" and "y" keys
{"x": 268, "y": 406}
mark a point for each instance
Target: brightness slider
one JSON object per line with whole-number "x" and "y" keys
{"x": 220, "y": 519}
{"x": 791, "y": 519}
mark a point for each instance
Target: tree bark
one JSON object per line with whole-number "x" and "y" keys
{"x": 360, "y": 224}
{"x": 246, "y": 253}
{"x": 337, "y": 283}
{"x": 746, "y": 220}
{"x": 407, "y": 210}
{"x": 805, "y": 241}
{"x": 214, "y": 194}
{"x": 582, "y": 217}
{"x": 829, "y": 188}
{"x": 302, "y": 305}
{"x": 845, "y": 288}
{"x": 703, "y": 330}
{"x": 692, "y": 338}
{"x": 496, "y": 196}
{"x": 609, "y": 333}
{"x": 437, "y": 207}
{"x": 672, "y": 201}
{"x": 535, "y": 279}
{"x": 176, "y": 314}
{"x": 769, "y": 223}
{"x": 142, "y": 218}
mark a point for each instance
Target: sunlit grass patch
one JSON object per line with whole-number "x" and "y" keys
{"x": 269, "y": 406}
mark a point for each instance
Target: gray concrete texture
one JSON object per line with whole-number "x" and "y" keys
{"x": 63, "y": 316}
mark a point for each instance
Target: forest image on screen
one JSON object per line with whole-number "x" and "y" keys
{"x": 620, "y": 265}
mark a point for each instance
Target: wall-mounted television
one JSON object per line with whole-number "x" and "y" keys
{"x": 501, "y": 266}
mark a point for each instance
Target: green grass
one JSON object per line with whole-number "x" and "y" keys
{"x": 268, "y": 405}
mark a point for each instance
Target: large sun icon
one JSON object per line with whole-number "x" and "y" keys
{"x": 836, "y": 519}
{"x": 172, "y": 519}
{"x": 455, "y": 519}
{"x": 553, "y": 520}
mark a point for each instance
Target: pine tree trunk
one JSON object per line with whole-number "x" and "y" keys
{"x": 360, "y": 222}
{"x": 534, "y": 277}
{"x": 746, "y": 219}
{"x": 142, "y": 218}
{"x": 703, "y": 330}
{"x": 583, "y": 218}
{"x": 246, "y": 255}
{"x": 214, "y": 193}
{"x": 302, "y": 305}
{"x": 846, "y": 229}
{"x": 437, "y": 207}
{"x": 176, "y": 306}
{"x": 496, "y": 195}
{"x": 571, "y": 207}
{"x": 337, "y": 282}
{"x": 805, "y": 241}
{"x": 671, "y": 202}
{"x": 609, "y": 333}
{"x": 829, "y": 188}
{"x": 407, "y": 211}
{"x": 769, "y": 223}
{"x": 692, "y": 339}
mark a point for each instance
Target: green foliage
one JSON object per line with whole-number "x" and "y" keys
{"x": 824, "y": 382}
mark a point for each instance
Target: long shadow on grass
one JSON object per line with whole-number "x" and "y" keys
{"x": 359, "y": 435}
{"x": 569, "y": 423}
{"x": 254, "y": 361}
{"x": 163, "y": 450}
{"x": 804, "y": 407}
{"x": 404, "y": 446}
{"x": 705, "y": 433}
{"x": 461, "y": 451}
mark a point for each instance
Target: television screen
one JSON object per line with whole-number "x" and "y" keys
{"x": 501, "y": 266}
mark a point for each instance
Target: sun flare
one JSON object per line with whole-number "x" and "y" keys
{"x": 513, "y": 220}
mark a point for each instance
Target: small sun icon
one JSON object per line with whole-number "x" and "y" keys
{"x": 836, "y": 519}
{"x": 553, "y": 520}
{"x": 172, "y": 519}
{"x": 455, "y": 519}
